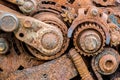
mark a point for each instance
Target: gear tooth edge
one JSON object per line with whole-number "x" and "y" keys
{"x": 79, "y": 29}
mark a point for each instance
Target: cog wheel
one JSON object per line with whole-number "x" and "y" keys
{"x": 89, "y": 39}
{"x": 51, "y": 19}
{"x": 107, "y": 61}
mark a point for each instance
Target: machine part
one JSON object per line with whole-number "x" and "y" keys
{"x": 61, "y": 68}
{"x": 38, "y": 27}
{"x": 15, "y": 58}
{"x": 52, "y": 19}
{"x": 76, "y": 13}
{"x": 115, "y": 33}
{"x": 18, "y": 2}
{"x": 105, "y": 2}
{"x": 68, "y": 15}
{"x": 80, "y": 65}
{"x": 28, "y": 7}
{"x": 107, "y": 61}
{"x": 3, "y": 46}
{"x": 97, "y": 74}
{"x": 8, "y": 22}
{"x": 89, "y": 39}
{"x": 85, "y": 16}
{"x": 39, "y": 37}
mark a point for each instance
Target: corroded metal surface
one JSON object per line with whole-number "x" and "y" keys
{"x": 61, "y": 68}
{"x": 80, "y": 65}
{"x": 107, "y": 62}
{"x": 89, "y": 39}
{"x": 35, "y": 34}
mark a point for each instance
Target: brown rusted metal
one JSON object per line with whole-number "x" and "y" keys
{"x": 85, "y": 15}
{"x": 105, "y": 2}
{"x": 89, "y": 39}
{"x": 9, "y": 22}
{"x": 91, "y": 25}
{"x": 4, "y": 46}
{"x": 18, "y": 2}
{"x": 52, "y": 18}
{"x": 61, "y": 68}
{"x": 107, "y": 62}
{"x": 80, "y": 65}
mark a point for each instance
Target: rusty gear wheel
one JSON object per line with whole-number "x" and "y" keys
{"x": 89, "y": 39}
{"x": 107, "y": 61}
{"x": 52, "y": 19}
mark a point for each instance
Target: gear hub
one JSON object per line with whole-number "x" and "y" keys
{"x": 107, "y": 62}
{"x": 89, "y": 39}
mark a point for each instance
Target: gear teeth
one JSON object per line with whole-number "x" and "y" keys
{"x": 87, "y": 26}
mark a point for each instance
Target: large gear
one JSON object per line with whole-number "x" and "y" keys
{"x": 37, "y": 35}
{"x": 89, "y": 39}
{"x": 52, "y": 19}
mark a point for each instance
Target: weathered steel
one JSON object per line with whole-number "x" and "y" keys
{"x": 61, "y": 68}
{"x": 80, "y": 65}
{"x": 107, "y": 62}
{"x": 35, "y": 30}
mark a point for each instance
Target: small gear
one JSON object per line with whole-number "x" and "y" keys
{"x": 107, "y": 61}
{"x": 89, "y": 39}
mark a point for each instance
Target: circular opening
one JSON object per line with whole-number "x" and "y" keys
{"x": 109, "y": 63}
{"x": 21, "y": 35}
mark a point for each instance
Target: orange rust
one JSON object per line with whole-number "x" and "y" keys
{"x": 80, "y": 65}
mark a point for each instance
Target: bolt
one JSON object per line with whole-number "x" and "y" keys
{"x": 3, "y": 46}
{"x": 80, "y": 65}
{"x": 50, "y": 41}
{"x": 27, "y": 7}
{"x": 94, "y": 12}
{"x": 108, "y": 63}
{"x": 8, "y": 22}
{"x": 27, "y": 24}
{"x": 92, "y": 43}
{"x": 89, "y": 41}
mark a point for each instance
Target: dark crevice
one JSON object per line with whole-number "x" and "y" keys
{"x": 1, "y": 70}
{"x": 71, "y": 1}
{"x": 20, "y": 67}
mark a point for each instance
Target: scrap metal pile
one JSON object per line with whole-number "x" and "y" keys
{"x": 59, "y": 39}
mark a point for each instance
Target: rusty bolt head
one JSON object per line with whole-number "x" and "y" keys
{"x": 90, "y": 41}
{"x": 8, "y": 22}
{"x": 3, "y": 46}
{"x": 50, "y": 41}
{"x": 27, "y": 23}
{"x": 108, "y": 63}
{"x": 27, "y": 7}
{"x": 94, "y": 12}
